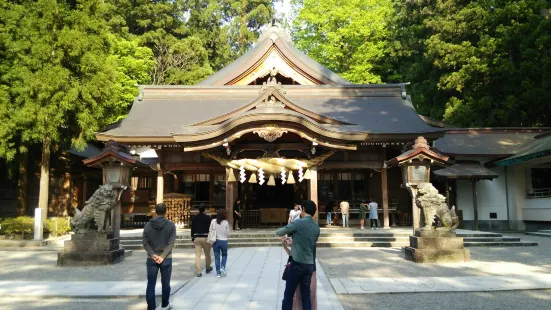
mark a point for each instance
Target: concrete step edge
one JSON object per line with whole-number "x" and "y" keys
{"x": 540, "y": 234}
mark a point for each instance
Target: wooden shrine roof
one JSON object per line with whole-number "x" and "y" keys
{"x": 161, "y": 113}
{"x": 466, "y": 170}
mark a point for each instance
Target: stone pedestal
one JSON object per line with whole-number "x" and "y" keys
{"x": 91, "y": 249}
{"x": 436, "y": 247}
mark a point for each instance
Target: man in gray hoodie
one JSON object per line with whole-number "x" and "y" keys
{"x": 159, "y": 236}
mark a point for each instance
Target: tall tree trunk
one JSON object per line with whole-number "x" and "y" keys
{"x": 44, "y": 177}
{"x": 22, "y": 183}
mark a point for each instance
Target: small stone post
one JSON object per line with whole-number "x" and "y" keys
{"x": 38, "y": 224}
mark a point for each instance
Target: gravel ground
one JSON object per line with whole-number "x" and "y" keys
{"x": 526, "y": 300}
{"x": 41, "y": 266}
{"x": 390, "y": 262}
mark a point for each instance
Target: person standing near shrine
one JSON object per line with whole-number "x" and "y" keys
{"x": 199, "y": 233}
{"x": 159, "y": 237}
{"x": 363, "y": 212}
{"x": 222, "y": 227}
{"x": 345, "y": 207}
{"x": 373, "y": 214}
{"x": 328, "y": 210}
{"x": 305, "y": 236}
{"x": 294, "y": 214}
{"x": 237, "y": 214}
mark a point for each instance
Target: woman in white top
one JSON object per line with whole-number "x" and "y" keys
{"x": 294, "y": 214}
{"x": 221, "y": 245}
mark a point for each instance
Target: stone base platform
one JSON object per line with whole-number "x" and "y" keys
{"x": 91, "y": 249}
{"x": 436, "y": 247}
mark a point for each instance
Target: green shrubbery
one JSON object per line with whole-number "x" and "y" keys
{"x": 57, "y": 226}
{"x": 24, "y": 225}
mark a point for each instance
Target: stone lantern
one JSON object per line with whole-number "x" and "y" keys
{"x": 415, "y": 165}
{"x": 429, "y": 244}
{"x": 96, "y": 238}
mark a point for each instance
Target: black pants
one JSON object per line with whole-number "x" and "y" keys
{"x": 374, "y": 221}
{"x": 299, "y": 275}
{"x": 236, "y": 220}
{"x": 152, "y": 271}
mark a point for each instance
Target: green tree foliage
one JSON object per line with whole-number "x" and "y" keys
{"x": 246, "y": 18}
{"x": 62, "y": 78}
{"x": 476, "y": 63}
{"x": 347, "y": 36}
{"x": 180, "y": 57}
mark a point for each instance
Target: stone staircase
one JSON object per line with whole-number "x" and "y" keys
{"x": 378, "y": 238}
{"x": 540, "y": 233}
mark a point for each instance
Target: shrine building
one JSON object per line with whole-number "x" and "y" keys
{"x": 275, "y": 127}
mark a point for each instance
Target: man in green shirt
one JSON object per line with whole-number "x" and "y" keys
{"x": 303, "y": 252}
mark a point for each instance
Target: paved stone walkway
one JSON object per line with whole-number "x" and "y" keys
{"x": 253, "y": 282}
{"x": 81, "y": 288}
{"x": 441, "y": 284}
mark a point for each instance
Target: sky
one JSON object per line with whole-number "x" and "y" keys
{"x": 283, "y": 7}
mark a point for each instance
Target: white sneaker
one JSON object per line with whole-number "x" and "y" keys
{"x": 218, "y": 276}
{"x": 223, "y": 271}
{"x": 372, "y": 228}
{"x": 167, "y": 307}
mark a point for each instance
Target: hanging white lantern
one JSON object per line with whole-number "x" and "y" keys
{"x": 260, "y": 176}
{"x": 283, "y": 176}
{"x": 242, "y": 175}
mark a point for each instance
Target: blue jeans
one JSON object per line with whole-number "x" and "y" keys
{"x": 298, "y": 274}
{"x": 220, "y": 246}
{"x": 152, "y": 270}
{"x": 345, "y": 220}
{"x": 328, "y": 217}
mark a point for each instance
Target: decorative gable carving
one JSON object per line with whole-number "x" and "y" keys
{"x": 271, "y": 102}
{"x": 270, "y": 133}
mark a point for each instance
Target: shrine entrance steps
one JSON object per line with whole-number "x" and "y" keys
{"x": 540, "y": 233}
{"x": 339, "y": 238}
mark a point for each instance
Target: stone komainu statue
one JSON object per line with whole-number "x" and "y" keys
{"x": 95, "y": 210}
{"x": 433, "y": 204}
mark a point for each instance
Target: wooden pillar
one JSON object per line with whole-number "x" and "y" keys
{"x": 175, "y": 183}
{"x": 313, "y": 189}
{"x": 475, "y": 205}
{"x": 160, "y": 186}
{"x": 230, "y": 197}
{"x": 385, "y": 198}
{"x": 116, "y": 219}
